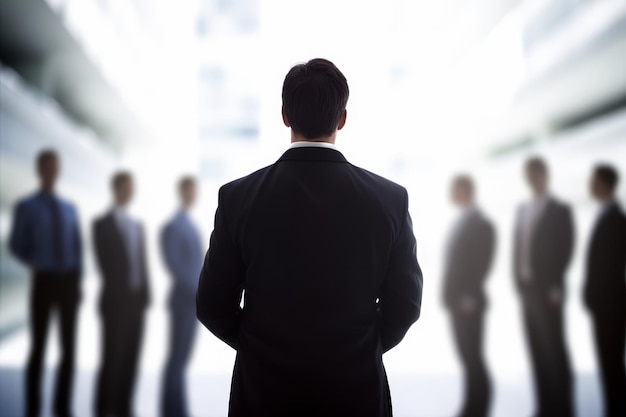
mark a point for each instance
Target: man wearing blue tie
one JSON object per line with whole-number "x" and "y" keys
{"x": 46, "y": 238}
{"x": 183, "y": 255}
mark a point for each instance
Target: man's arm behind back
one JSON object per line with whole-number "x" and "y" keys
{"x": 401, "y": 292}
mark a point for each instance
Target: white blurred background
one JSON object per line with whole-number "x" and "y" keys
{"x": 167, "y": 88}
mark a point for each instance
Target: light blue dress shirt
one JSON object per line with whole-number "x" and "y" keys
{"x": 183, "y": 252}
{"x": 32, "y": 238}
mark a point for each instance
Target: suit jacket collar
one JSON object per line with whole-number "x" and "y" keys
{"x": 312, "y": 154}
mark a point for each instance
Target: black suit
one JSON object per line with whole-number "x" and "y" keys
{"x": 326, "y": 255}
{"x": 122, "y": 308}
{"x": 550, "y": 252}
{"x": 605, "y": 296}
{"x": 469, "y": 256}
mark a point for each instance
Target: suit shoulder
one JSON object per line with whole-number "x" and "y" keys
{"x": 379, "y": 181}
{"x": 243, "y": 182}
{"x": 563, "y": 206}
{"x": 101, "y": 220}
{"x": 484, "y": 220}
{"x": 27, "y": 201}
{"x": 68, "y": 205}
{"x": 617, "y": 216}
{"x": 242, "y": 187}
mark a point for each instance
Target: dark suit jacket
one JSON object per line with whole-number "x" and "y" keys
{"x": 468, "y": 261}
{"x": 112, "y": 261}
{"x": 605, "y": 287}
{"x": 551, "y": 248}
{"x": 326, "y": 256}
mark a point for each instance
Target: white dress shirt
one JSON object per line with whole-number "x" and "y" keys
{"x": 131, "y": 233}
{"x": 310, "y": 144}
{"x": 530, "y": 215}
{"x": 602, "y": 209}
{"x": 458, "y": 225}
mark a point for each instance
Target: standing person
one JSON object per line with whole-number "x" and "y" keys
{"x": 46, "y": 238}
{"x": 605, "y": 289}
{"x": 468, "y": 258}
{"x": 325, "y": 254}
{"x": 120, "y": 253}
{"x": 543, "y": 246}
{"x": 183, "y": 254}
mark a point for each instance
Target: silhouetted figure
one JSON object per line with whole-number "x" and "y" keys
{"x": 543, "y": 247}
{"x": 46, "y": 238}
{"x": 468, "y": 258}
{"x": 183, "y": 253}
{"x": 325, "y": 254}
{"x": 120, "y": 252}
{"x": 605, "y": 289}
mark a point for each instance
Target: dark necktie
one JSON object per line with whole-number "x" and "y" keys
{"x": 58, "y": 251}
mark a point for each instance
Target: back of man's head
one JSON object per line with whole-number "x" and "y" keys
{"x": 315, "y": 95}
{"x": 608, "y": 176}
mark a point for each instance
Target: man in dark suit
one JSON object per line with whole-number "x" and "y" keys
{"x": 183, "y": 254}
{"x": 542, "y": 250}
{"x": 605, "y": 289}
{"x": 120, "y": 252}
{"x": 325, "y": 253}
{"x": 45, "y": 237}
{"x": 468, "y": 258}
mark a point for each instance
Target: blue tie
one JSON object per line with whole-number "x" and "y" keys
{"x": 58, "y": 251}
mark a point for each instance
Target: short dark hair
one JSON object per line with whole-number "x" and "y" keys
{"x": 537, "y": 164}
{"x": 46, "y": 155}
{"x": 120, "y": 178}
{"x": 315, "y": 95}
{"x": 186, "y": 181}
{"x": 607, "y": 175}
{"x": 465, "y": 182}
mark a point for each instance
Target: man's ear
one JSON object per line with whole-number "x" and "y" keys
{"x": 342, "y": 120}
{"x": 285, "y": 121}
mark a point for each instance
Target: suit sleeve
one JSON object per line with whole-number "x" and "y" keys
{"x": 515, "y": 267}
{"x": 563, "y": 250}
{"x": 221, "y": 282}
{"x": 145, "y": 263}
{"x": 78, "y": 241}
{"x": 401, "y": 293}
{"x": 19, "y": 240}
{"x": 98, "y": 245}
{"x": 484, "y": 247}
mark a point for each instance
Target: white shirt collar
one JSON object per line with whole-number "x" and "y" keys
{"x": 310, "y": 144}
{"x": 541, "y": 199}
{"x": 120, "y": 213}
{"x": 604, "y": 206}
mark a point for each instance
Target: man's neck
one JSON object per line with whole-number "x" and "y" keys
{"x": 299, "y": 138}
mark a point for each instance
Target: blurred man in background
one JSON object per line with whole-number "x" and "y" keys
{"x": 468, "y": 258}
{"x": 46, "y": 238}
{"x": 325, "y": 253}
{"x": 605, "y": 289}
{"x": 183, "y": 255}
{"x": 120, "y": 253}
{"x": 542, "y": 250}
